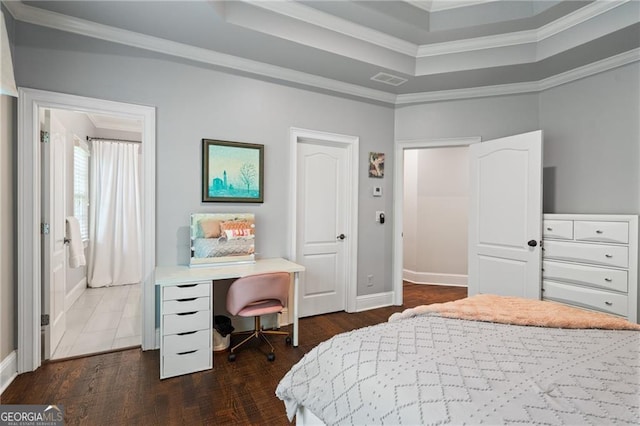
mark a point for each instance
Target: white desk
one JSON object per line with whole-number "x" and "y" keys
{"x": 173, "y": 276}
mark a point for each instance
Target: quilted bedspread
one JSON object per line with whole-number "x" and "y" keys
{"x": 430, "y": 369}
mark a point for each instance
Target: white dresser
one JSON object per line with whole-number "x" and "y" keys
{"x": 185, "y": 329}
{"x": 591, "y": 261}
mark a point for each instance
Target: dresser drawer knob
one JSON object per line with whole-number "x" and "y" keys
{"x": 608, "y": 256}
{"x": 608, "y": 303}
{"x": 608, "y": 280}
{"x": 598, "y": 231}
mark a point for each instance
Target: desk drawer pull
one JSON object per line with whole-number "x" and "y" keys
{"x": 191, "y": 299}
{"x": 598, "y": 231}
{"x": 608, "y": 303}
{"x": 608, "y": 280}
{"x": 186, "y": 285}
{"x": 187, "y": 313}
{"x": 186, "y": 333}
{"x": 608, "y": 256}
{"x": 187, "y": 352}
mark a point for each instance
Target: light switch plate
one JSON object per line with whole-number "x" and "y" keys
{"x": 377, "y": 191}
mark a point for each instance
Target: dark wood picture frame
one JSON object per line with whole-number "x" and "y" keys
{"x": 232, "y": 172}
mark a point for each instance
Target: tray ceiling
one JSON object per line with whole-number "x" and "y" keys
{"x": 436, "y": 49}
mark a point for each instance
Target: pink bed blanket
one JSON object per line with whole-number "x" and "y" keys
{"x": 519, "y": 311}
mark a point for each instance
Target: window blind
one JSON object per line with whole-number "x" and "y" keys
{"x": 81, "y": 189}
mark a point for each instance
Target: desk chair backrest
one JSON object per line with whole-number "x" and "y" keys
{"x": 256, "y": 288}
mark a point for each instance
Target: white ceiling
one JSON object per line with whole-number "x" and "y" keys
{"x": 444, "y": 49}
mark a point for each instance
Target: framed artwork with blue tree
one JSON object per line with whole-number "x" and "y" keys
{"x": 232, "y": 172}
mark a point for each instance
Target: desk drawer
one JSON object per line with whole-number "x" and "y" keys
{"x": 606, "y": 232}
{"x": 188, "y": 362}
{"x": 611, "y": 279}
{"x": 587, "y": 253}
{"x": 186, "y": 305}
{"x": 192, "y": 321}
{"x": 586, "y": 297}
{"x": 178, "y": 343}
{"x": 186, "y": 291}
{"x": 558, "y": 229}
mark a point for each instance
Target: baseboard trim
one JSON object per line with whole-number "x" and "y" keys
{"x": 8, "y": 370}
{"x": 456, "y": 280}
{"x": 75, "y": 293}
{"x": 373, "y": 301}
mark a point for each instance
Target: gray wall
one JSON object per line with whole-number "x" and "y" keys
{"x": 194, "y": 101}
{"x": 592, "y": 144}
{"x": 489, "y": 118}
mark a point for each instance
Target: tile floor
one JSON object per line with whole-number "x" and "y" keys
{"x": 102, "y": 319}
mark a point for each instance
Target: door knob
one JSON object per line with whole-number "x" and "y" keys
{"x": 532, "y": 243}
{"x": 341, "y": 237}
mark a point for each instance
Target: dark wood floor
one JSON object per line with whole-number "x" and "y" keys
{"x": 123, "y": 388}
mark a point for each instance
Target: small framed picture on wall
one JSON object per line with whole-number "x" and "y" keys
{"x": 376, "y": 164}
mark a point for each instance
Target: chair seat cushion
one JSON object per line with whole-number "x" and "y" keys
{"x": 261, "y": 308}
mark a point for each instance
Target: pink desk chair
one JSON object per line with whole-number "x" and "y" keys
{"x": 257, "y": 295}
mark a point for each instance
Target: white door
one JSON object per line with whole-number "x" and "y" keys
{"x": 321, "y": 227}
{"x": 505, "y": 216}
{"x": 54, "y": 249}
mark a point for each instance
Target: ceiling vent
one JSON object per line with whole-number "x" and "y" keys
{"x": 392, "y": 80}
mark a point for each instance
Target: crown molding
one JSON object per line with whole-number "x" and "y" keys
{"x": 607, "y": 64}
{"x": 474, "y": 92}
{"x": 565, "y": 23}
{"x": 577, "y": 17}
{"x": 321, "y": 19}
{"x": 439, "y": 6}
{"x": 83, "y": 27}
{"x": 603, "y": 65}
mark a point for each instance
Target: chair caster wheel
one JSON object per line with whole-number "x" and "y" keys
{"x": 271, "y": 357}
{"x": 288, "y": 341}
{"x": 231, "y": 357}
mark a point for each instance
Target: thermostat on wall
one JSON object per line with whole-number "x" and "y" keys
{"x": 377, "y": 191}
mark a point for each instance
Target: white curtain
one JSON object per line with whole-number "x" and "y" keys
{"x": 115, "y": 246}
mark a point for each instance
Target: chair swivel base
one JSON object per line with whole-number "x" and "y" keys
{"x": 258, "y": 333}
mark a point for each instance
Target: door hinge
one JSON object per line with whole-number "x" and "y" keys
{"x": 44, "y": 319}
{"x": 44, "y": 136}
{"x": 44, "y": 228}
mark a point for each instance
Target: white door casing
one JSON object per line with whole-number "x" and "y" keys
{"x": 54, "y": 276}
{"x": 29, "y": 189}
{"x": 505, "y": 217}
{"x": 324, "y": 184}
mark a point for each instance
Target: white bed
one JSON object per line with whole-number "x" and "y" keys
{"x": 427, "y": 367}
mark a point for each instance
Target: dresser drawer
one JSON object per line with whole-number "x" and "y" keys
{"x": 192, "y": 321}
{"x": 184, "y": 342}
{"x": 587, "y": 253}
{"x": 186, "y": 305}
{"x": 562, "y": 229}
{"x": 187, "y": 362}
{"x": 586, "y": 297}
{"x": 612, "y": 279}
{"x": 608, "y": 232}
{"x": 186, "y": 291}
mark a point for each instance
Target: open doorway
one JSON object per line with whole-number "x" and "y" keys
{"x": 429, "y": 183}
{"x": 30, "y": 225}
{"x": 436, "y": 214}
{"x": 91, "y": 274}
